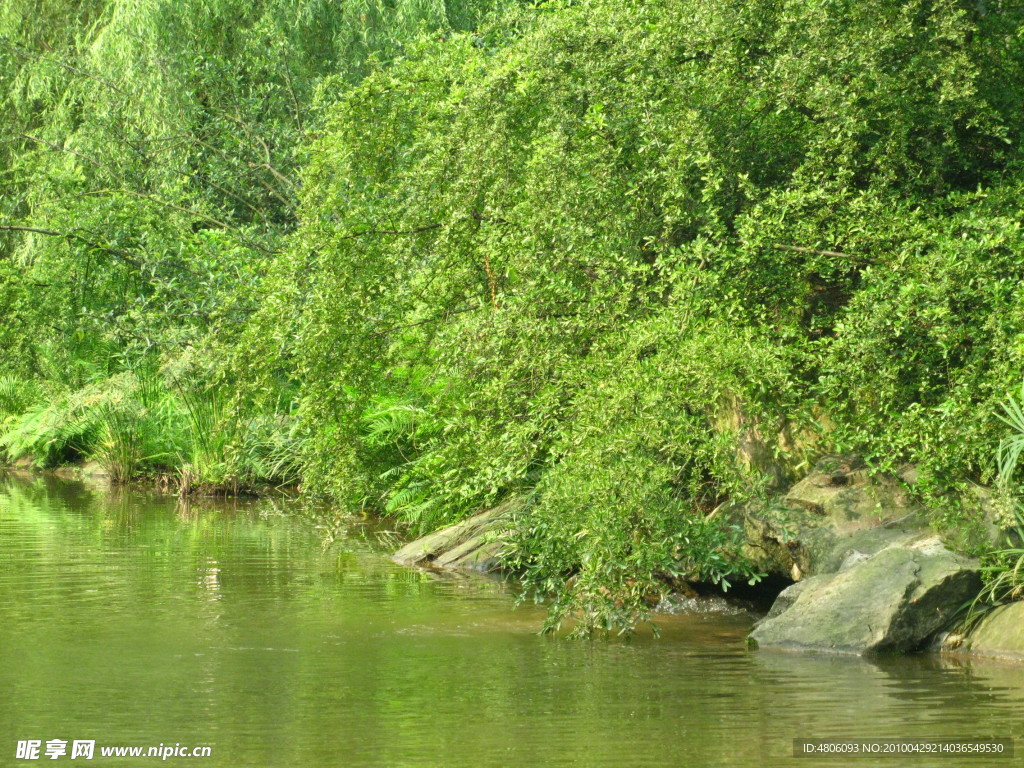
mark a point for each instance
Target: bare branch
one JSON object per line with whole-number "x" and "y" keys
{"x": 415, "y": 231}
{"x": 801, "y": 249}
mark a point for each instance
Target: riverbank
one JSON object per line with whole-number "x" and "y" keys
{"x": 95, "y": 475}
{"x": 848, "y": 561}
{"x": 849, "y": 558}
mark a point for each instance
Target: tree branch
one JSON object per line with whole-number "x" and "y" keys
{"x": 74, "y": 236}
{"x": 30, "y": 55}
{"x": 443, "y": 316}
{"x": 152, "y": 198}
{"x": 801, "y": 249}
{"x": 414, "y": 231}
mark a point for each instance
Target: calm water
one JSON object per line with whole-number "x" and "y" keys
{"x": 129, "y": 620}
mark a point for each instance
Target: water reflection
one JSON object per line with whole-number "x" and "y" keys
{"x": 127, "y": 618}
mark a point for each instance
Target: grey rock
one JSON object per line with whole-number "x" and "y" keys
{"x": 834, "y": 512}
{"x": 476, "y": 543}
{"x": 999, "y": 634}
{"x": 893, "y": 600}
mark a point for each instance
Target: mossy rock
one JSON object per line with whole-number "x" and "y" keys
{"x": 999, "y": 634}
{"x": 838, "y": 510}
{"x": 892, "y": 601}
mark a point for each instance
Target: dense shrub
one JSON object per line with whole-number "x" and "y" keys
{"x": 620, "y": 260}
{"x": 621, "y": 236}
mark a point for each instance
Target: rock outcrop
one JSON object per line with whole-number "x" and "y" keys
{"x": 476, "y": 543}
{"x": 836, "y": 511}
{"x": 999, "y": 634}
{"x": 892, "y": 600}
{"x": 870, "y": 576}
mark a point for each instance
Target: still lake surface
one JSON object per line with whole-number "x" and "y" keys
{"x": 129, "y": 619}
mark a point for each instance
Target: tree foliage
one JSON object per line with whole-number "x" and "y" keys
{"x": 152, "y": 152}
{"x": 150, "y": 162}
{"x": 609, "y": 231}
{"x": 621, "y": 260}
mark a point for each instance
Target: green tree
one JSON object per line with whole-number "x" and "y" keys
{"x": 610, "y": 231}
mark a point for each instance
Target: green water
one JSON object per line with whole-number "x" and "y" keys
{"x": 130, "y": 620}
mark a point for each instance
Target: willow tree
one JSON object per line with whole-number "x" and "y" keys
{"x": 150, "y": 163}
{"x": 151, "y": 153}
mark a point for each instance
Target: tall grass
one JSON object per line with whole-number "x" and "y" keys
{"x": 1010, "y": 449}
{"x": 121, "y": 421}
{"x": 271, "y": 447}
{"x": 138, "y": 423}
{"x": 205, "y": 456}
{"x": 223, "y": 449}
{"x": 137, "y": 427}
